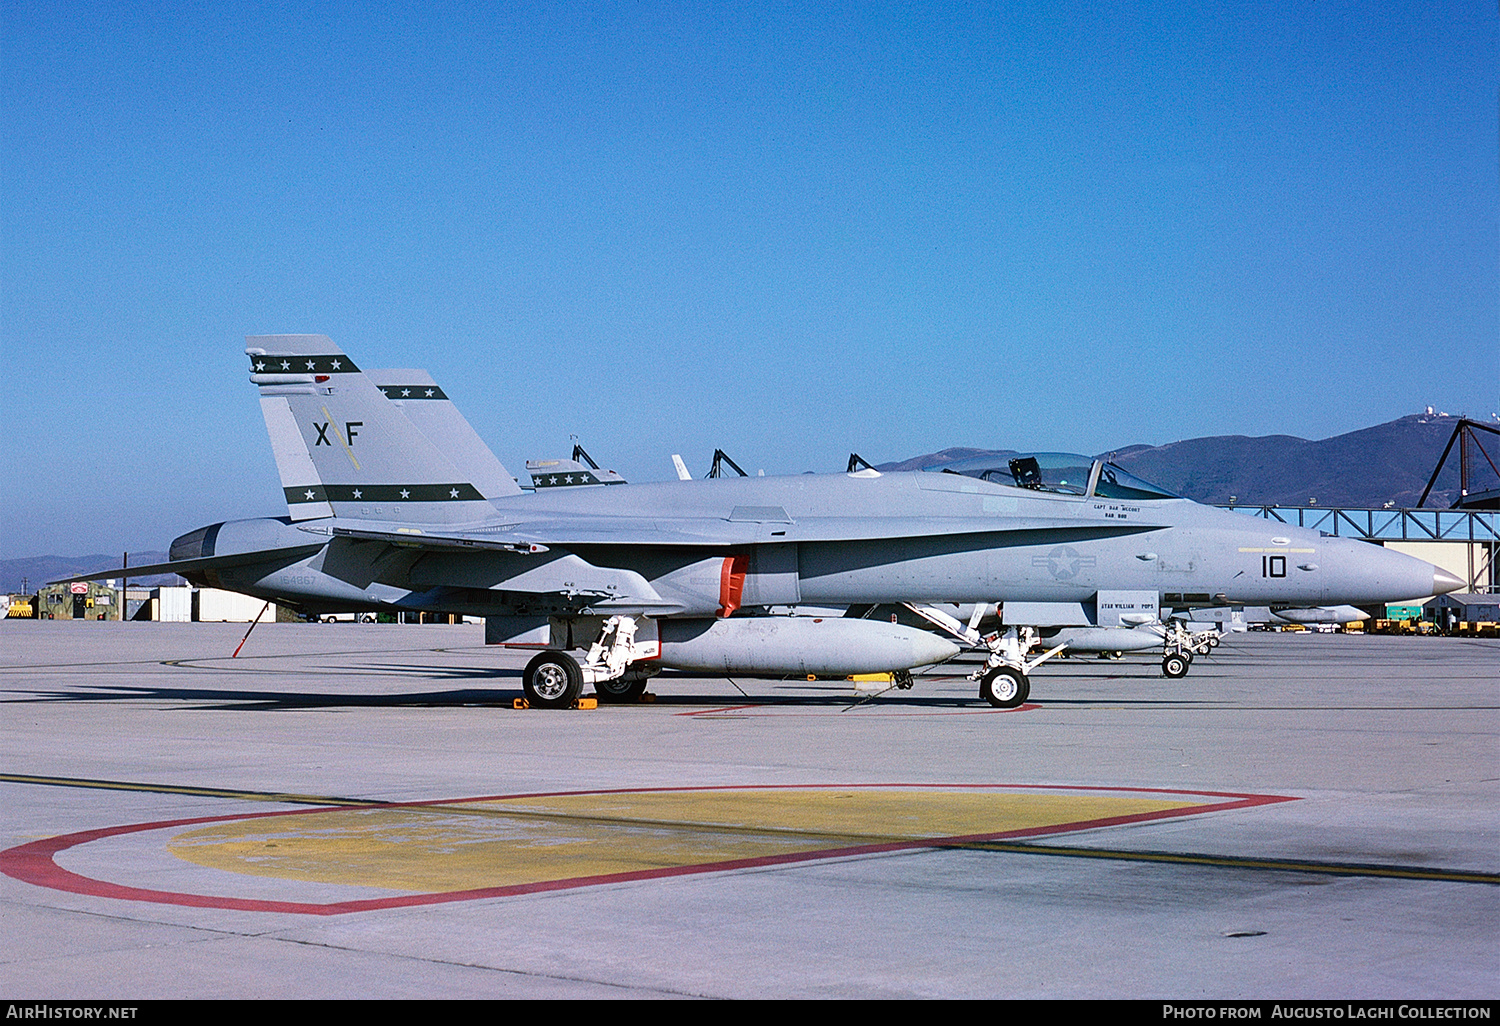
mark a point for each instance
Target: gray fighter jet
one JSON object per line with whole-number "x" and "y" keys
{"x": 670, "y": 574}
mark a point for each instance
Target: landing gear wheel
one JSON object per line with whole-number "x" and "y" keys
{"x": 1175, "y": 665}
{"x": 1004, "y": 687}
{"x": 621, "y": 690}
{"x": 552, "y": 681}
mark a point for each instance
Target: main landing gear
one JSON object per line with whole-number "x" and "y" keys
{"x": 622, "y": 690}
{"x": 554, "y": 680}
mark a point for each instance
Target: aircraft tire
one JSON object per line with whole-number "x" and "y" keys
{"x": 1004, "y": 687}
{"x": 1175, "y": 665}
{"x": 552, "y": 681}
{"x": 621, "y": 690}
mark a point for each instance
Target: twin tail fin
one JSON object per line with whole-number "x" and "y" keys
{"x": 343, "y": 448}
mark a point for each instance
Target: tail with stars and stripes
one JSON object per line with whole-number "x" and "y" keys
{"x": 344, "y": 449}
{"x": 428, "y": 407}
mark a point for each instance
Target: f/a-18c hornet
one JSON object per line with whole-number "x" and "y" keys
{"x": 673, "y": 574}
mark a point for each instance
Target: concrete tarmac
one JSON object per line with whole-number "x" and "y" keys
{"x": 1302, "y": 817}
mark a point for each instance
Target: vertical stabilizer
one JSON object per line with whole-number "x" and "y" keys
{"x": 305, "y": 499}
{"x": 369, "y": 461}
{"x": 428, "y": 407}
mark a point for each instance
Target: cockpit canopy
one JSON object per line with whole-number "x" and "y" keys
{"x": 1063, "y": 473}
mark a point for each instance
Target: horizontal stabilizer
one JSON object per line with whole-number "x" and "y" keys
{"x": 427, "y": 406}
{"x": 187, "y": 566}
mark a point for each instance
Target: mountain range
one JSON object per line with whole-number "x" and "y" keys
{"x": 25, "y": 576}
{"x": 1387, "y": 463}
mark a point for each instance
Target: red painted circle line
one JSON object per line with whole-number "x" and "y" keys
{"x": 34, "y": 863}
{"x": 721, "y": 709}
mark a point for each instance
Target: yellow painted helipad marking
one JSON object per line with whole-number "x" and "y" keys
{"x": 515, "y": 841}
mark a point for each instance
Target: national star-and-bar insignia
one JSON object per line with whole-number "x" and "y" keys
{"x": 1064, "y": 562}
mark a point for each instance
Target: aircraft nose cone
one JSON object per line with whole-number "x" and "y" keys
{"x": 1444, "y": 582}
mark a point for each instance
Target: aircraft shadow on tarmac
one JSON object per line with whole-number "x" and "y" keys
{"x": 837, "y": 696}
{"x": 249, "y": 700}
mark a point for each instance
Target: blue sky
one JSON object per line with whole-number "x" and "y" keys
{"x": 791, "y": 231}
